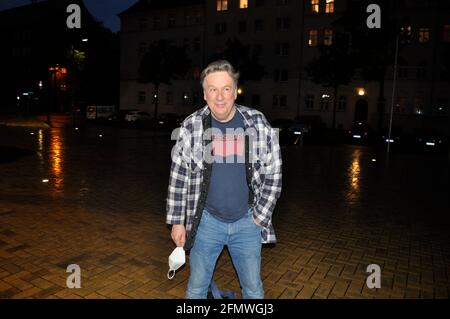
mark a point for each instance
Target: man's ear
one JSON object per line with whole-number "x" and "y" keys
{"x": 204, "y": 95}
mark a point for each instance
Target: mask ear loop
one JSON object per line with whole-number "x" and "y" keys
{"x": 168, "y": 274}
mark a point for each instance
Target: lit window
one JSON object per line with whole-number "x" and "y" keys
{"x": 328, "y": 37}
{"x": 315, "y": 6}
{"x": 424, "y": 35}
{"x": 329, "y": 6}
{"x": 222, "y": 5}
{"x": 312, "y": 38}
{"x": 446, "y": 34}
{"x": 243, "y": 4}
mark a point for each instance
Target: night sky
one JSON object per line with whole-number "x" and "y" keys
{"x": 103, "y": 10}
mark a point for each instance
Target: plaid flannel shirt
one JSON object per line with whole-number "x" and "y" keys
{"x": 186, "y": 182}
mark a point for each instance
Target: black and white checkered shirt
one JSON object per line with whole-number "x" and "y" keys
{"x": 190, "y": 158}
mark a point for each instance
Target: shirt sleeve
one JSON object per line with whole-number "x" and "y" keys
{"x": 271, "y": 187}
{"x": 178, "y": 180}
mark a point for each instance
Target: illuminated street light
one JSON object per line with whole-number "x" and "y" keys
{"x": 85, "y": 40}
{"x": 240, "y": 91}
{"x": 361, "y": 92}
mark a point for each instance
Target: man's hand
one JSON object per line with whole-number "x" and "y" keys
{"x": 178, "y": 235}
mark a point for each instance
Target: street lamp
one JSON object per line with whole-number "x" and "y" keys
{"x": 53, "y": 70}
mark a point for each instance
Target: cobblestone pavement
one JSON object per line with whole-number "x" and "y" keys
{"x": 103, "y": 208}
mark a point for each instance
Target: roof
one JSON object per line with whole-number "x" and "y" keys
{"x": 144, "y": 5}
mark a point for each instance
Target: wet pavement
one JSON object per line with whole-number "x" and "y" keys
{"x": 342, "y": 208}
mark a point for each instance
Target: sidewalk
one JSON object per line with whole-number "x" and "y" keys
{"x": 104, "y": 210}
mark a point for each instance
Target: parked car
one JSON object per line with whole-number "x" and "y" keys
{"x": 397, "y": 139}
{"x": 167, "y": 121}
{"x": 284, "y": 130}
{"x": 361, "y": 133}
{"x": 137, "y": 116}
{"x": 429, "y": 139}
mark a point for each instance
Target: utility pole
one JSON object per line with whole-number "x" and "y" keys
{"x": 393, "y": 92}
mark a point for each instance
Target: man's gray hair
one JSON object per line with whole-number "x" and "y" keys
{"x": 218, "y": 66}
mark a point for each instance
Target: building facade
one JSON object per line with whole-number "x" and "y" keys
{"x": 286, "y": 35}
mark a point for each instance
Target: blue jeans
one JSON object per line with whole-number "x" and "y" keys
{"x": 243, "y": 239}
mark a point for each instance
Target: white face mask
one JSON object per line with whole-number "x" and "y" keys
{"x": 176, "y": 259}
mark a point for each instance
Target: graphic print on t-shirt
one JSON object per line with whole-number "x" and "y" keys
{"x": 228, "y": 144}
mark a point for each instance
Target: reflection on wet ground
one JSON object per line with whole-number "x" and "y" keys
{"x": 337, "y": 201}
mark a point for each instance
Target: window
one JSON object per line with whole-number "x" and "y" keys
{"x": 446, "y": 33}
{"x": 198, "y": 18}
{"x": 221, "y": 28}
{"x": 256, "y": 100}
{"x": 329, "y": 6}
{"x": 403, "y": 71}
{"x": 242, "y": 26}
{"x": 243, "y": 4}
{"x": 312, "y": 38}
{"x": 142, "y": 24}
{"x": 283, "y": 23}
{"x": 259, "y": 25}
{"x": 342, "y": 103}
{"x": 141, "y": 97}
{"x": 222, "y": 5}
{"x": 171, "y": 22}
{"x": 169, "y": 98}
{"x": 280, "y": 75}
{"x": 282, "y": 49}
{"x": 156, "y": 23}
{"x": 309, "y": 101}
{"x": 259, "y": 3}
{"x": 324, "y": 104}
{"x": 257, "y": 49}
{"x": 196, "y": 44}
{"x": 421, "y": 70}
{"x": 405, "y": 33}
{"x": 282, "y": 2}
{"x": 279, "y": 100}
{"x": 142, "y": 48}
{"x": 186, "y": 45}
{"x": 315, "y": 6}
{"x": 195, "y": 98}
{"x": 424, "y": 35}
{"x": 328, "y": 37}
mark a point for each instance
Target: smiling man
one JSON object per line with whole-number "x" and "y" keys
{"x": 226, "y": 196}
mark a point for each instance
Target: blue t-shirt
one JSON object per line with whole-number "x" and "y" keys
{"x": 228, "y": 193}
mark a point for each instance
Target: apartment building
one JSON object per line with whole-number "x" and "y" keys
{"x": 286, "y": 35}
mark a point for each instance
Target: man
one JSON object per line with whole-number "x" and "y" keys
{"x": 224, "y": 182}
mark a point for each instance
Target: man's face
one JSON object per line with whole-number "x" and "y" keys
{"x": 220, "y": 93}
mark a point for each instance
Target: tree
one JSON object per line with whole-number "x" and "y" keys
{"x": 373, "y": 50}
{"x": 161, "y": 64}
{"x": 333, "y": 67}
{"x": 239, "y": 56}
